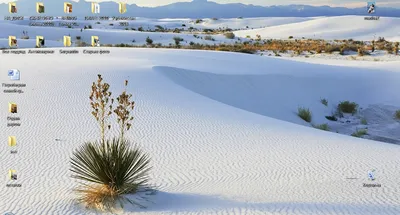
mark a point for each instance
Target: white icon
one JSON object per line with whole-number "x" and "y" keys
{"x": 371, "y": 175}
{"x": 14, "y": 74}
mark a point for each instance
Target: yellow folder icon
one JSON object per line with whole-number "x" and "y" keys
{"x": 12, "y": 141}
{"x": 12, "y": 107}
{"x": 39, "y": 7}
{"x": 12, "y": 41}
{"x": 122, "y": 7}
{"x": 39, "y": 41}
{"x": 95, "y": 41}
{"x": 12, "y": 174}
{"x": 12, "y": 7}
{"x": 67, "y": 41}
{"x": 95, "y": 7}
{"x": 67, "y": 7}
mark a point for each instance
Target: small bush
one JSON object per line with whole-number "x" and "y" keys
{"x": 229, "y": 35}
{"x": 324, "y": 127}
{"x": 305, "y": 114}
{"x": 324, "y": 102}
{"x": 78, "y": 37}
{"x": 364, "y": 121}
{"x": 149, "y": 41}
{"x": 199, "y": 21}
{"x": 360, "y": 133}
{"x": 348, "y": 107}
{"x": 331, "y": 118}
{"x": 208, "y": 37}
{"x": 178, "y": 40}
{"x": 290, "y": 37}
{"x": 397, "y": 114}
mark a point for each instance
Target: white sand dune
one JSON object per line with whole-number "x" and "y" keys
{"x": 213, "y": 131}
{"x": 341, "y": 27}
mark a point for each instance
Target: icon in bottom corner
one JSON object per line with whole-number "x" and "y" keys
{"x": 12, "y": 174}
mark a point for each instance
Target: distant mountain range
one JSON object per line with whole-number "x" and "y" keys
{"x": 194, "y": 9}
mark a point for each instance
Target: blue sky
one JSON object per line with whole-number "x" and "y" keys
{"x": 334, "y": 3}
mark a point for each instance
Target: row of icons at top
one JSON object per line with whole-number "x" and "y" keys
{"x": 40, "y": 41}
{"x": 12, "y": 7}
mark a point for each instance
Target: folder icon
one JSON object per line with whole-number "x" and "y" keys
{"x": 67, "y": 7}
{"x": 95, "y": 7}
{"x": 12, "y": 141}
{"x": 39, "y": 41}
{"x": 67, "y": 41}
{"x": 95, "y": 41}
{"x": 12, "y": 174}
{"x": 12, "y": 7}
{"x": 12, "y": 107}
{"x": 39, "y": 7}
{"x": 122, "y": 7}
{"x": 12, "y": 41}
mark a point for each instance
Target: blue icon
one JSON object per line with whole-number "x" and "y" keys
{"x": 14, "y": 74}
{"x": 371, "y": 175}
{"x": 371, "y": 7}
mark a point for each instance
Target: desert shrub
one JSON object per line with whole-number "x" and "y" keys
{"x": 229, "y": 35}
{"x": 240, "y": 17}
{"x": 246, "y": 51}
{"x": 360, "y": 133}
{"x": 111, "y": 24}
{"x": 290, "y": 37}
{"x": 324, "y": 127}
{"x": 177, "y": 40}
{"x": 208, "y": 37}
{"x": 78, "y": 37}
{"x": 191, "y": 43}
{"x": 208, "y": 30}
{"x": 381, "y": 39}
{"x": 331, "y": 118}
{"x": 364, "y": 121}
{"x": 140, "y": 28}
{"x": 110, "y": 168}
{"x": 149, "y": 41}
{"x": 330, "y": 49}
{"x": 159, "y": 28}
{"x": 198, "y": 21}
{"x": 324, "y": 101}
{"x": 214, "y": 19}
{"x": 397, "y": 114}
{"x": 97, "y": 23}
{"x": 177, "y": 30}
{"x": 305, "y": 114}
{"x": 396, "y": 48}
{"x": 348, "y": 107}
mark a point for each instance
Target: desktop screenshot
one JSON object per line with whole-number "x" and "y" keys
{"x": 200, "y": 107}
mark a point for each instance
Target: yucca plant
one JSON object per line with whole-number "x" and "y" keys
{"x": 106, "y": 175}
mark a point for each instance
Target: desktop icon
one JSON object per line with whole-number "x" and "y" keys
{"x": 12, "y": 41}
{"x": 40, "y": 41}
{"x": 67, "y": 7}
{"x": 371, "y": 175}
{"x": 371, "y": 7}
{"x": 12, "y": 7}
{"x": 95, "y": 7}
{"x": 12, "y": 174}
{"x": 12, "y": 141}
{"x": 14, "y": 74}
{"x": 39, "y": 7}
{"x": 122, "y": 7}
{"x": 95, "y": 41}
{"x": 67, "y": 41}
{"x": 12, "y": 107}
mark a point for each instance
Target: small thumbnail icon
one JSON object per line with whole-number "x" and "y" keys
{"x": 39, "y": 7}
{"x": 371, "y": 6}
{"x": 67, "y": 41}
{"x": 12, "y": 141}
{"x": 12, "y": 107}
{"x": 371, "y": 175}
{"x": 14, "y": 74}
{"x": 12, "y": 41}
{"x": 95, "y": 7}
{"x": 122, "y": 7}
{"x": 12, "y": 7}
{"x": 40, "y": 42}
{"x": 12, "y": 174}
{"x": 95, "y": 41}
{"x": 67, "y": 7}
